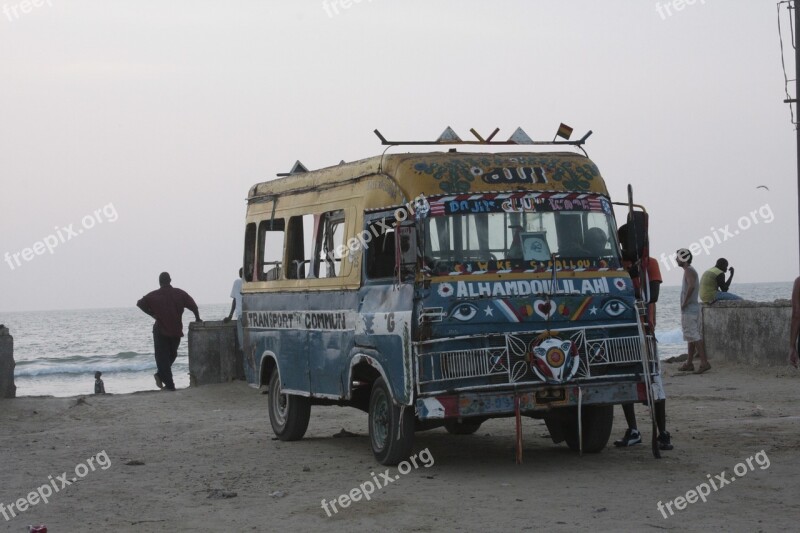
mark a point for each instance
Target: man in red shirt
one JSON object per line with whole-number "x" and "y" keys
{"x": 166, "y": 305}
{"x": 632, "y": 435}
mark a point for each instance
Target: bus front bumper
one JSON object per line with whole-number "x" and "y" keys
{"x": 502, "y": 403}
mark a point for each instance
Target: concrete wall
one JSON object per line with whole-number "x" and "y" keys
{"x": 754, "y": 333}
{"x": 213, "y": 354}
{"x": 7, "y": 387}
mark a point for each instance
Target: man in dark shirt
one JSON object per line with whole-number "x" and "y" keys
{"x": 166, "y": 305}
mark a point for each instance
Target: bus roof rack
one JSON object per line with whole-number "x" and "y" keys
{"x": 519, "y": 137}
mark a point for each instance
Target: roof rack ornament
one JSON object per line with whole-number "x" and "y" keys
{"x": 519, "y": 137}
{"x": 298, "y": 168}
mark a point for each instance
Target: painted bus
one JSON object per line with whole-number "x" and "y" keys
{"x": 443, "y": 289}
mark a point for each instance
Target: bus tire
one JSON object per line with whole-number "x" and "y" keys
{"x": 467, "y": 426}
{"x": 288, "y": 413}
{"x": 597, "y": 421}
{"x": 391, "y": 429}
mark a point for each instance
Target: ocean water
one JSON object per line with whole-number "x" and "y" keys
{"x": 668, "y": 311}
{"x": 57, "y": 352}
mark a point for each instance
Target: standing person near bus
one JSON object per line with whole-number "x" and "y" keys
{"x": 236, "y": 298}
{"x": 690, "y": 314}
{"x": 166, "y": 305}
{"x": 236, "y": 307}
{"x": 794, "y": 332}
{"x": 655, "y": 280}
{"x": 632, "y": 435}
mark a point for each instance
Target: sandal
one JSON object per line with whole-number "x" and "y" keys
{"x": 687, "y": 367}
{"x": 703, "y": 368}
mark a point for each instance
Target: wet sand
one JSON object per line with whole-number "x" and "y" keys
{"x": 210, "y": 463}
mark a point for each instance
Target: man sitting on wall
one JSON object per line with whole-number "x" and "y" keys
{"x": 713, "y": 286}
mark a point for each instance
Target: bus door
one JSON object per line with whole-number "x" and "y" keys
{"x": 328, "y": 316}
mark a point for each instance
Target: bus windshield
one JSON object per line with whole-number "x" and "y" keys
{"x": 520, "y": 232}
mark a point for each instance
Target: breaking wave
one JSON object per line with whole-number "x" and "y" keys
{"x": 88, "y": 364}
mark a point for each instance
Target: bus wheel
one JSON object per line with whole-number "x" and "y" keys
{"x": 467, "y": 426}
{"x": 597, "y": 421}
{"x": 390, "y": 432}
{"x": 288, "y": 414}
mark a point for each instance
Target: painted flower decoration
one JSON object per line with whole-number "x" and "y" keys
{"x": 445, "y": 290}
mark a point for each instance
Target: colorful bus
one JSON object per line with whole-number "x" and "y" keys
{"x": 443, "y": 289}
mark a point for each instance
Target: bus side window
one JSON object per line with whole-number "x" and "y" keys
{"x": 330, "y": 241}
{"x": 249, "y": 251}
{"x": 381, "y": 252}
{"x": 270, "y": 249}
{"x": 299, "y": 242}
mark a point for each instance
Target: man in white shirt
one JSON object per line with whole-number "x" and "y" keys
{"x": 236, "y": 307}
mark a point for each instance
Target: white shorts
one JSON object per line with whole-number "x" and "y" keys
{"x": 690, "y": 324}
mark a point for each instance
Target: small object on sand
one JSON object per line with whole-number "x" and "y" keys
{"x": 277, "y": 494}
{"x": 219, "y": 494}
{"x": 306, "y": 469}
{"x": 135, "y": 462}
{"x": 677, "y": 359}
{"x": 344, "y": 433}
{"x": 80, "y": 401}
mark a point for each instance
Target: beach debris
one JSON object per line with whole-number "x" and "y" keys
{"x": 343, "y": 433}
{"x": 277, "y": 494}
{"x": 134, "y": 462}
{"x": 306, "y": 469}
{"x": 220, "y": 494}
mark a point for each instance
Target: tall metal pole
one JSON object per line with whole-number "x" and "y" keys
{"x": 797, "y": 108}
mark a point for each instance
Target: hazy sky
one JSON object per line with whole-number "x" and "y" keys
{"x": 159, "y": 115}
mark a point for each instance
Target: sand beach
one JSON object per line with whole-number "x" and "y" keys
{"x": 204, "y": 459}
